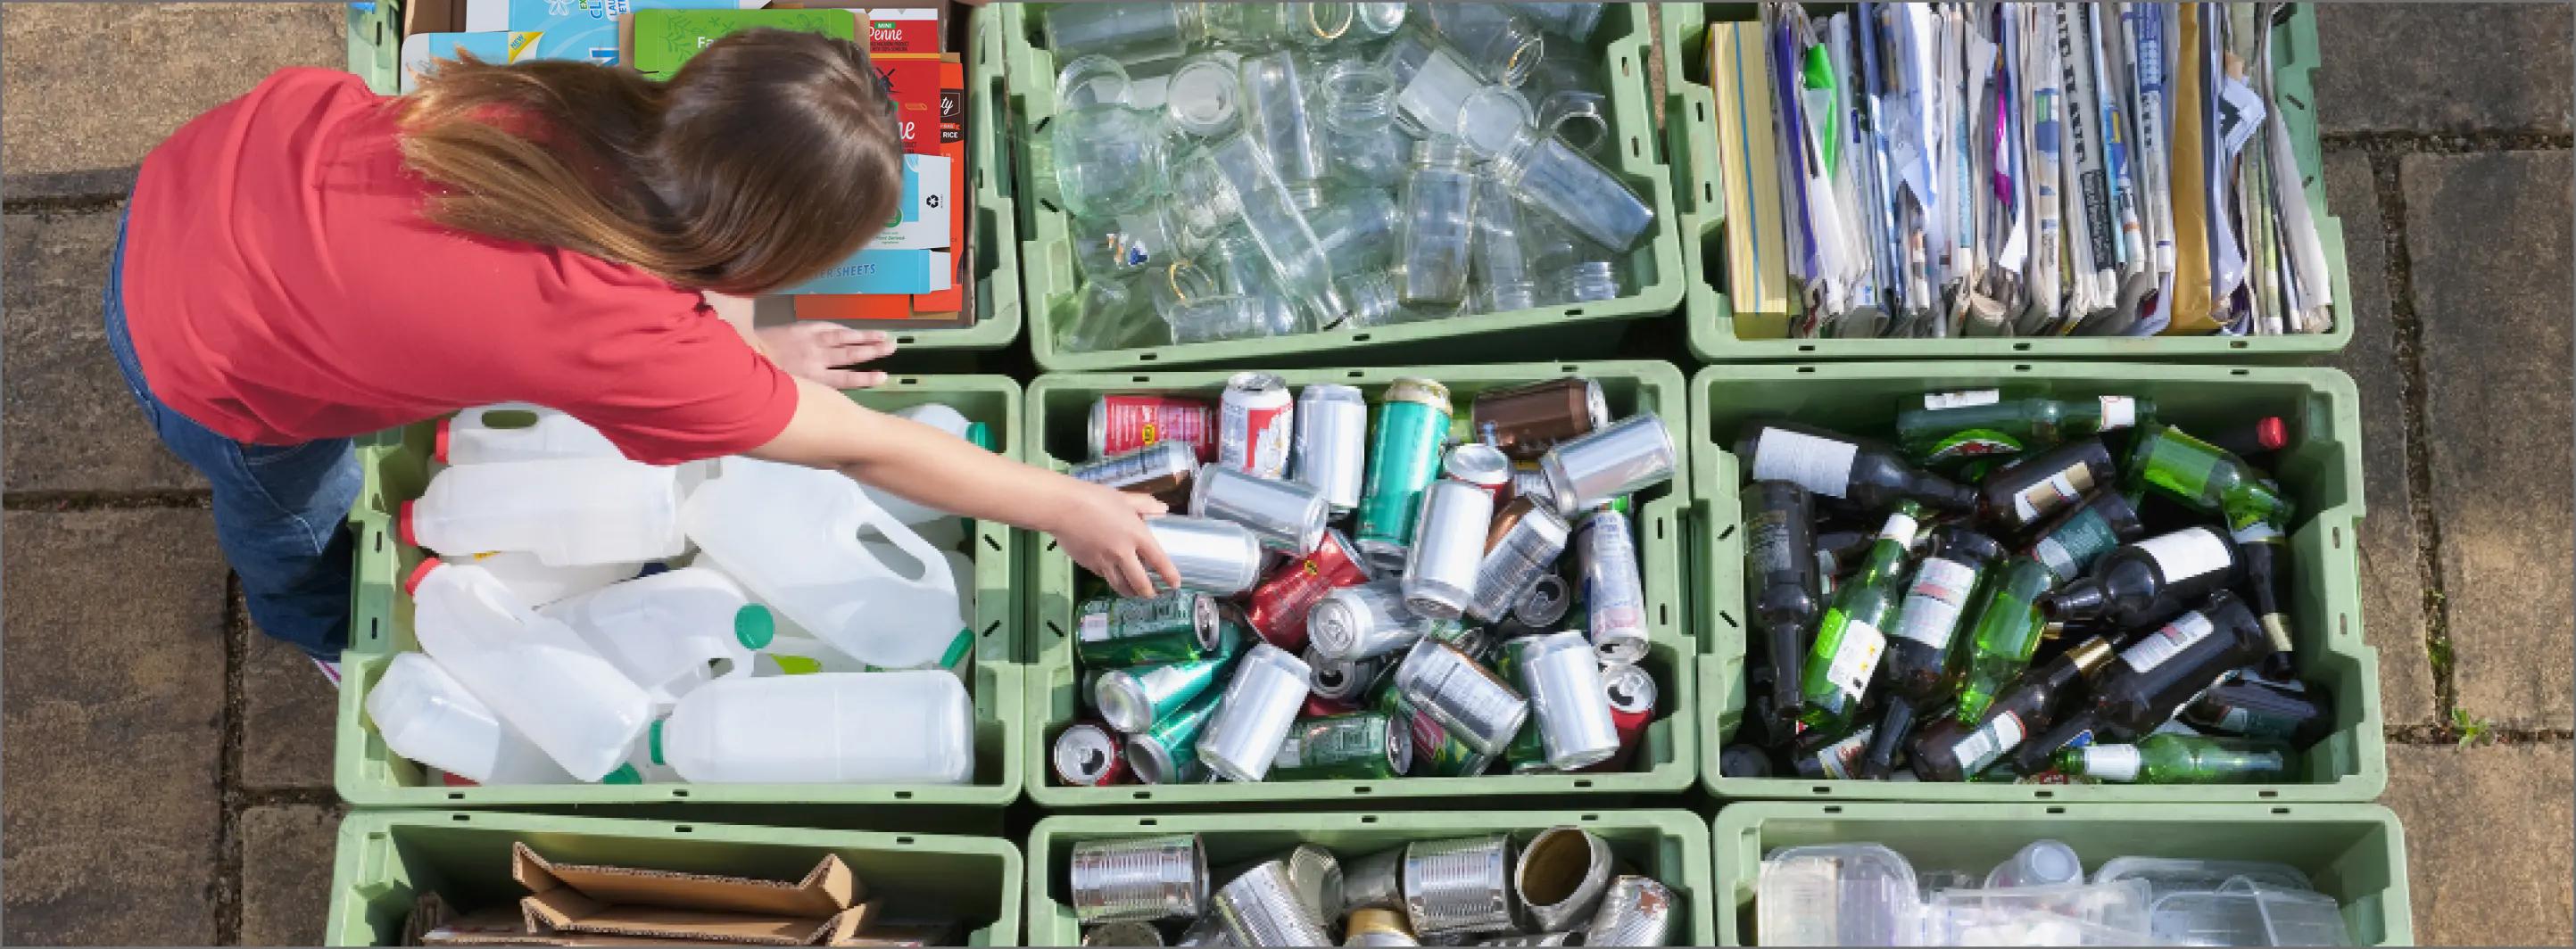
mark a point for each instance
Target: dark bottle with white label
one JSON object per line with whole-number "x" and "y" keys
{"x": 1861, "y": 475}
{"x": 1780, "y": 565}
{"x": 1822, "y": 755}
{"x": 2157, "y": 672}
{"x": 2149, "y": 581}
{"x": 1916, "y": 667}
{"x": 1952, "y": 750}
{"x": 2266, "y": 555}
{"x": 2024, "y": 494}
{"x": 2082, "y": 535}
{"x": 2252, "y": 708}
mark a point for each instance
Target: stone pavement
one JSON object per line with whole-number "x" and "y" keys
{"x": 167, "y": 770}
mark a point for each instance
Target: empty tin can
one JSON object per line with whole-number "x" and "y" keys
{"x": 1466, "y": 698}
{"x": 1168, "y": 752}
{"x": 1220, "y": 557}
{"x": 1123, "y": 933}
{"x": 1332, "y": 443}
{"x": 1344, "y": 680}
{"x": 1375, "y": 881}
{"x": 1354, "y": 623}
{"x": 1278, "y": 608}
{"x": 1632, "y": 694}
{"x": 1614, "y": 595}
{"x": 1125, "y": 422}
{"x": 1162, "y": 469}
{"x": 1458, "y": 886}
{"x": 1206, "y": 930}
{"x": 1635, "y": 911}
{"x": 1560, "y": 877}
{"x": 1403, "y": 459}
{"x": 1632, "y": 454}
{"x": 1545, "y": 603}
{"x": 1530, "y": 939}
{"x": 1087, "y": 755}
{"x": 1521, "y": 547}
{"x": 1174, "y": 627}
{"x": 1256, "y": 422}
{"x": 1479, "y": 464}
{"x": 1356, "y": 746}
{"x": 1437, "y": 752}
{"x": 1287, "y": 517}
{"x": 1378, "y": 927}
{"x": 1268, "y": 690}
{"x": 1261, "y": 908}
{"x": 1317, "y": 877}
{"x": 1525, "y": 421}
{"x": 1134, "y": 698}
{"x": 1138, "y": 878}
{"x": 1563, "y": 680}
{"x": 1448, "y": 546}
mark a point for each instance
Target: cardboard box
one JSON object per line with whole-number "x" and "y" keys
{"x": 884, "y": 271}
{"x": 664, "y": 39}
{"x": 422, "y": 51}
{"x": 824, "y": 908}
{"x": 921, "y": 218}
{"x": 903, "y": 30}
{"x": 953, "y": 302}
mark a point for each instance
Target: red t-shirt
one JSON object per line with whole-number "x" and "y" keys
{"x": 282, "y": 285}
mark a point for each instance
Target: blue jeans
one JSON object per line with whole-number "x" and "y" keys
{"x": 279, "y": 510}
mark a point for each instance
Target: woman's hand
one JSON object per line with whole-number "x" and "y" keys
{"x": 1103, "y": 529}
{"x": 814, "y": 350}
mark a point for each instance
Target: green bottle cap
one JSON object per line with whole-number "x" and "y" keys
{"x": 753, "y": 627}
{"x": 625, "y": 774}
{"x": 653, "y": 742}
{"x": 982, "y": 435}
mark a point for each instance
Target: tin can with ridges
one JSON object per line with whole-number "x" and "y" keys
{"x": 1256, "y": 422}
{"x": 1378, "y": 927}
{"x": 1632, "y": 454}
{"x": 1205, "y": 931}
{"x": 1635, "y": 911}
{"x": 1138, "y": 878}
{"x": 1375, "y": 881}
{"x": 1527, "y": 420}
{"x": 1163, "y": 470}
{"x": 1459, "y": 886}
{"x": 1123, "y": 933}
{"x": 1332, "y": 443}
{"x": 1168, "y": 753}
{"x": 1219, "y": 557}
{"x": 1278, "y": 608}
{"x": 1522, "y": 546}
{"x": 1125, "y": 422}
{"x": 1359, "y": 746}
{"x": 1448, "y": 546}
{"x": 1131, "y": 700}
{"x": 1562, "y": 678}
{"x": 1174, "y": 627}
{"x": 1286, "y": 516}
{"x": 1465, "y": 697}
{"x": 1261, "y": 908}
{"x": 1403, "y": 459}
{"x": 1614, "y": 595}
{"x": 1317, "y": 877}
{"x": 1088, "y": 755}
{"x": 1560, "y": 877}
{"x": 1262, "y": 700}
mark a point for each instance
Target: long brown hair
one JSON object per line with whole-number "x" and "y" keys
{"x": 770, "y": 157}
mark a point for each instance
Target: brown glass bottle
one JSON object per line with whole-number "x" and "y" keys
{"x": 1951, "y": 750}
{"x": 2157, "y": 671}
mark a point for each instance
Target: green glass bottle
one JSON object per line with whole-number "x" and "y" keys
{"x": 2169, "y": 758}
{"x": 1956, "y": 426}
{"x": 2006, "y": 633}
{"x": 1849, "y": 640}
{"x": 2205, "y": 478}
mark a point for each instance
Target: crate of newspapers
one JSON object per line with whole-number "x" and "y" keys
{"x": 1305, "y": 184}
{"x": 2082, "y": 181}
{"x": 539, "y": 621}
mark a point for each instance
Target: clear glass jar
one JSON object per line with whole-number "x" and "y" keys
{"x": 1123, "y": 244}
{"x": 1128, "y": 32}
{"x": 1582, "y": 119}
{"x": 1574, "y": 21}
{"x": 1103, "y": 157}
{"x": 1586, "y": 281}
{"x": 1275, "y": 111}
{"x": 1203, "y": 98}
{"x": 1232, "y": 179}
{"x": 1546, "y": 173}
{"x": 1358, "y": 229}
{"x": 1370, "y": 299}
{"x": 1432, "y": 81}
{"x": 1501, "y": 267}
{"x": 1377, "y": 20}
{"x": 1500, "y": 44}
{"x": 1108, "y": 313}
{"x": 1356, "y": 98}
{"x": 1439, "y": 223}
{"x": 1232, "y": 317}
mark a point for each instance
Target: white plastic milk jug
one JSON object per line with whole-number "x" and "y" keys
{"x": 517, "y": 431}
{"x": 937, "y": 416}
{"x": 532, "y": 671}
{"x": 672, "y": 631}
{"x": 567, "y": 511}
{"x": 910, "y": 727}
{"x": 427, "y": 716}
{"x": 791, "y": 536}
{"x": 537, "y": 584}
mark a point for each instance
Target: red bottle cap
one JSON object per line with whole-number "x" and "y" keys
{"x": 411, "y": 584}
{"x": 438, "y": 445}
{"x": 2272, "y": 433}
{"x": 402, "y": 524}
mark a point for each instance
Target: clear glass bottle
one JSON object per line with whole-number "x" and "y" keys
{"x": 1102, "y": 158}
{"x": 1235, "y": 260}
{"x": 1439, "y": 223}
{"x": 1231, "y": 180}
{"x": 1545, "y": 172}
{"x": 1357, "y": 99}
{"x": 1358, "y": 228}
{"x": 1274, "y": 109}
{"x": 1128, "y": 32}
{"x": 1497, "y": 41}
{"x": 1586, "y": 281}
{"x": 1501, "y": 269}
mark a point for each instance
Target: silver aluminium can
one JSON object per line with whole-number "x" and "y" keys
{"x": 1526, "y": 551}
{"x": 1532, "y": 939}
{"x": 1531, "y": 482}
{"x": 1635, "y": 911}
{"x": 1463, "y": 696}
{"x": 1560, "y": 877}
{"x": 1086, "y": 755}
{"x": 1375, "y": 881}
{"x": 1332, "y": 443}
{"x": 1458, "y": 886}
{"x": 1261, "y": 908}
{"x": 1546, "y": 602}
{"x": 1343, "y": 680}
{"x": 1632, "y": 454}
{"x": 1219, "y": 557}
{"x": 1139, "y": 878}
{"x": 1613, "y": 593}
{"x": 1157, "y": 461}
{"x": 1353, "y": 623}
{"x": 1479, "y": 464}
{"x": 1563, "y": 680}
{"x": 1448, "y": 546}
{"x": 1256, "y": 419}
{"x": 1286, "y": 516}
{"x": 1268, "y": 690}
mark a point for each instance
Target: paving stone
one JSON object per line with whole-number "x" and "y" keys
{"x": 2488, "y": 236}
{"x": 114, "y": 685}
{"x": 2392, "y": 568}
{"x": 287, "y": 854}
{"x": 2442, "y": 67}
{"x": 67, "y": 422}
{"x": 2486, "y": 841}
{"x": 289, "y": 716}
{"x": 159, "y": 64}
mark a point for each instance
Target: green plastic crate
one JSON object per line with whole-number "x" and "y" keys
{"x": 1692, "y": 124}
{"x": 1581, "y": 330}
{"x": 1059, "y": 408}
{"x": 1666, "y": 845}
{"x": 387, "y": 859}
{"x": 375, "y": 43}
{"x": 2355, "y": 853}
{"x": 397, "y": 469}
{"x": 2322, "y": 472}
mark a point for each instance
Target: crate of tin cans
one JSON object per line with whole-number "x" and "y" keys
{"x": 1613, "y": 878}
{"x": 1439, "y": 581}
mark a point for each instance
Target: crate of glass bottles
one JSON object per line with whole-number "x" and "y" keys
{"x": 1670, "y": 847}
{"x": 1663, "y": 758}
{"x": 398, "y": 464}
{"x": 1101, "y": 263}
{"x": 2187, "y": 855}
{"x": 390, "y": 860}
{"x": 1721, "y": 332}
{"x": 2338, "y": 751}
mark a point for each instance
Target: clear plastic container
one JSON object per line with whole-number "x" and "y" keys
{"x": 2079, "y": 914}
{"x": 1837, "y": 895}
{"x": 2244, "y": 913}
{"x": 673, "y": 631}
{"x": 537, "y": 584}
{"x": 425, "y": 715}
{"x": 2039, "y": 863}
{"x": 912, "y": 727}
{"x": 791, "y": 535}
{"x": 2167, "y": 875}
{"x": 1439, "y": 223}
{"x": 516, "y": 431}
{"x": 566, "y": 511}
{"x": 531, "y": 671}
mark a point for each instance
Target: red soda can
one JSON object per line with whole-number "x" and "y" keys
{"x": 1256, "y": 424}
{"x": 1127, "y": 422}
{"x": 1089, "y": 755}
{"x": 1277, "y": 608}
{"x": 1320, "y": 707}
{"x": 1631, "y": 692}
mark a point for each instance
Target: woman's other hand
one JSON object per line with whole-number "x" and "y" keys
{"x": 1103, "y": 529}
{"x": 816, "y": 351}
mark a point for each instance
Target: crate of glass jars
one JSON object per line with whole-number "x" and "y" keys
{"x": 1967, "y": 581}
{"x": 1316, "y": 184}
{"x": 1744, "y": 307}
{"x": 1374, "y": 604}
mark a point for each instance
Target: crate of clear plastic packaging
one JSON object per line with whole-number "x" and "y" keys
{"x": 1716, "y": 335}
{"x": 1670, "y": 846}
{"x": 1059, "y": 409}
{"x": 397, "y": 463}
{"x": 2321, "y": 469}
{"x": 1652, "y": 273}
{"x": 389, "y": 859}
{"x": 2355, "y": 853}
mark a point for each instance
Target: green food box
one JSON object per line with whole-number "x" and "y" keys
{"x": 664, "y": 39}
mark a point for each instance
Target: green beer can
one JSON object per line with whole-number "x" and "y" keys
{"x": 1168, "y": 753}
{"x": 1403, "y": 458}
{"x": 1175, "y": 627}
{"x": 1436, "y": 752}
{"x": 1134, "y": 698}
{"x": 1360, "y": 746}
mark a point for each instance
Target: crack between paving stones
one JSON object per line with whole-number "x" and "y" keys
{"x": 2441, "y": 143}
{"x": 63, "y": 204}
{"x": 2409, "y": 346}
{"x": 228, "y": 843}
{"x": 71, "y": 501}
{"x": 2447, "y": 735}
